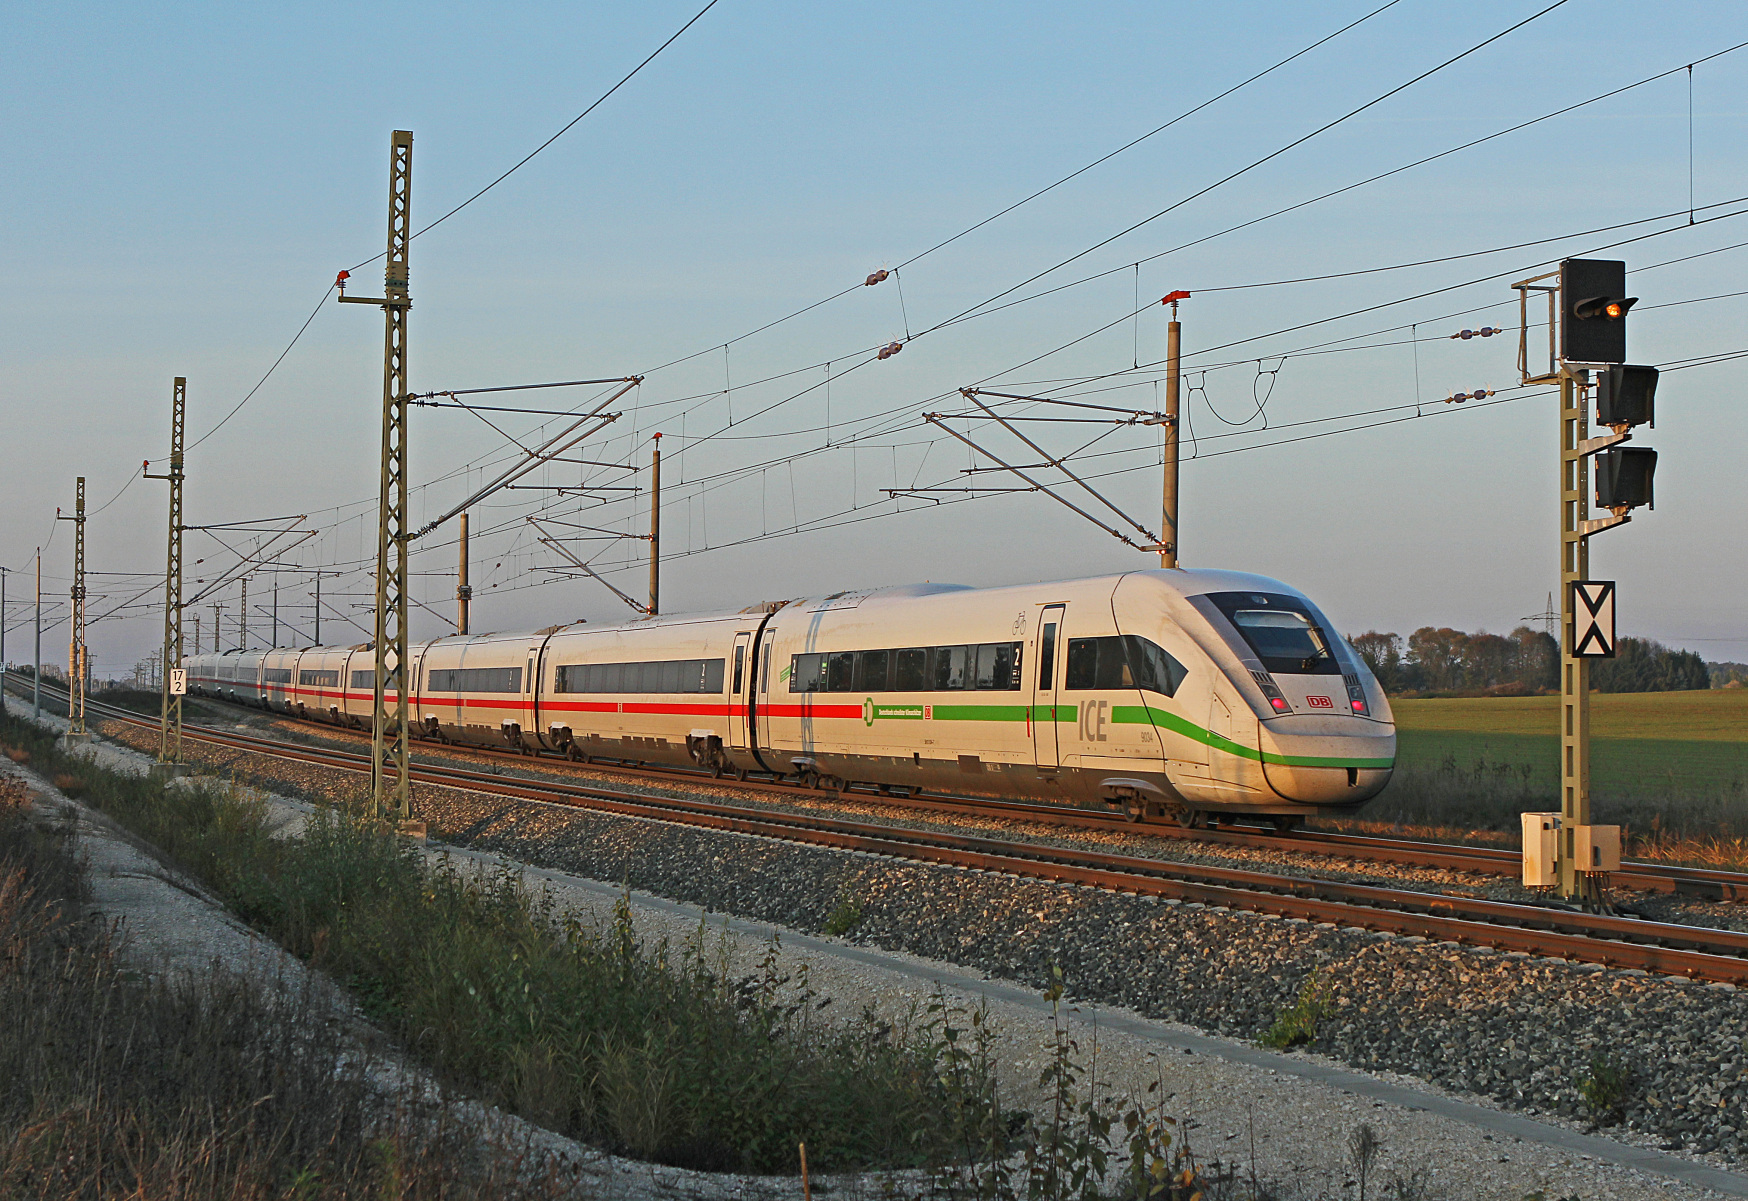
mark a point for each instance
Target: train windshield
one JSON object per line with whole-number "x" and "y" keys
{"x": 1282, "y": 632}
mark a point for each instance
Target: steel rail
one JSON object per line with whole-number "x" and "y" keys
{"x": 1691, "y": 951}
{"x": 1701, "y": 883}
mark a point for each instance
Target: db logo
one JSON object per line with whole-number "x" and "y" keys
{"x": 1320, "y": 702}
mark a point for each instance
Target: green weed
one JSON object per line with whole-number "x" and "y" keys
{"x": 1297, "y": 1025}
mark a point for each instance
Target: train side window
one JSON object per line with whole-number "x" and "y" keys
{"x": 1083, "y": 663}
{"x": 1114, "y": 664}
{"x": 713, "y": 675}
{"x": 1047, "y": 657}
{"x": 740, "y": 659}
{"x": 874, "y": 671}
{"x": 910, "y": 670}
{"x": 994, "y": 665}
{"x": 840, "y": 671}
{"x": 998, "y": 666}
{"x": 1153, "y": 666}
{"x": 950, "y": 669}
{"x": 807, "y": 673}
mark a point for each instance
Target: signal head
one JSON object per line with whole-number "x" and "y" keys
{"x": 1594, "y": 305}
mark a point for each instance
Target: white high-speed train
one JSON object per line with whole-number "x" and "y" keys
{"x": 1185, "y": 693}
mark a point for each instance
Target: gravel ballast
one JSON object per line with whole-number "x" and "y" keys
{"x": 1511, "y": 1028}
{"x": 1519, "y": 1031}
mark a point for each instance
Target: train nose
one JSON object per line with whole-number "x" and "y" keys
{"x": 1327, "y": 760}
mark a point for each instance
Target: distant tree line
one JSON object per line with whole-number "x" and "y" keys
{"x": 1728, "y": 675}
{"x": 1522, "y": 663}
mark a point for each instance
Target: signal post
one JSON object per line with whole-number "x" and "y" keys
{"x": 1587, "y": 310}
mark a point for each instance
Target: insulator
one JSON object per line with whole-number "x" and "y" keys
{"x": 890, "y": 349}
{"x": 876, "y": 278}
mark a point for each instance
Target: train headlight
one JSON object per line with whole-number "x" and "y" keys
{"x": 1266, "y": 682}
{"x": 1356, "y": 695}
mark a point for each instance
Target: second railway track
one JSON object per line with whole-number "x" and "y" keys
{"x": 1696, "y": 952}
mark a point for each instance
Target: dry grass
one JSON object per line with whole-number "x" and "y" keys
{"x": 114, "y": 1085}
{"x": 69, "y": 785}
{"x": 17, "y": 756}
{"x": 652, "y": 1050}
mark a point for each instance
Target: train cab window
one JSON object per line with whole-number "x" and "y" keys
{"x": 740, "y": 660}
{"x": 998, "y": 666}
{"x": 910, "y": 670}
{"x": 947, "y": 668}
{"x": 1281, "y": 630}
{"x": 871, "y": 670}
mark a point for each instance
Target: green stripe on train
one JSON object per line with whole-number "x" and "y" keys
{"x": 1135, "y": 715}
{"x": 1148, "y": 715}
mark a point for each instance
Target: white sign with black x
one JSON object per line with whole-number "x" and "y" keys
{"x": 1593, "y": 619}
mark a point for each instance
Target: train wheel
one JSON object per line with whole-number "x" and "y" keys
{"x": 1193, "y": 819}
{"x": 1134, "y": 809}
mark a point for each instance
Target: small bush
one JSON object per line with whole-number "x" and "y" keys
{"x": 1604, "y": 1087}
{"x": 69, "y": 785}
{"x": 845, "y": 917}
{"x": 1297, "y": 1025}
{"x": 17, "y": 756}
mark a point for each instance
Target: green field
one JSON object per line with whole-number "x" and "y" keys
{"x": 1643, "y": 743}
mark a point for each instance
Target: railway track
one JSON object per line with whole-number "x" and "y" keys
{"x": 1699, "y": 883}
{"x": 1694, "y": 952}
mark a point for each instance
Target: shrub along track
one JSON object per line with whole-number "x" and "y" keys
{"x": 1707, "y": 884}
{"x": 1680, "y": 950}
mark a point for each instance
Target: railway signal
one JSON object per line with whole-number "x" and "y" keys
{"x": 1587, "y": 324}
{"x": 1593, "y": 310}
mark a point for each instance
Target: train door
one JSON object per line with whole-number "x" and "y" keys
{"x": 739, "y": 687}
{"x": 1045, "y": 686}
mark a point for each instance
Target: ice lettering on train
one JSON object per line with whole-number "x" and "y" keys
{"x": 1092, "y": 720}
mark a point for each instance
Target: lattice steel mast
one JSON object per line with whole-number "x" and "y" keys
{"x": 170, "y": 719}
{"x": 76, "y": 634}
{"x": 390, "y": 791}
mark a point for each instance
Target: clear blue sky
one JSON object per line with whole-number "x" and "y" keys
{"x": 183, "y": 184}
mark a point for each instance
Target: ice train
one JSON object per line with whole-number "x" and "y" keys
{"x": 1161, "y": 693}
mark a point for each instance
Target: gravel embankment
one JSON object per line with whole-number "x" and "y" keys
{"x": 1518, "y": 1030}
{"x": 1123, "y": 839}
